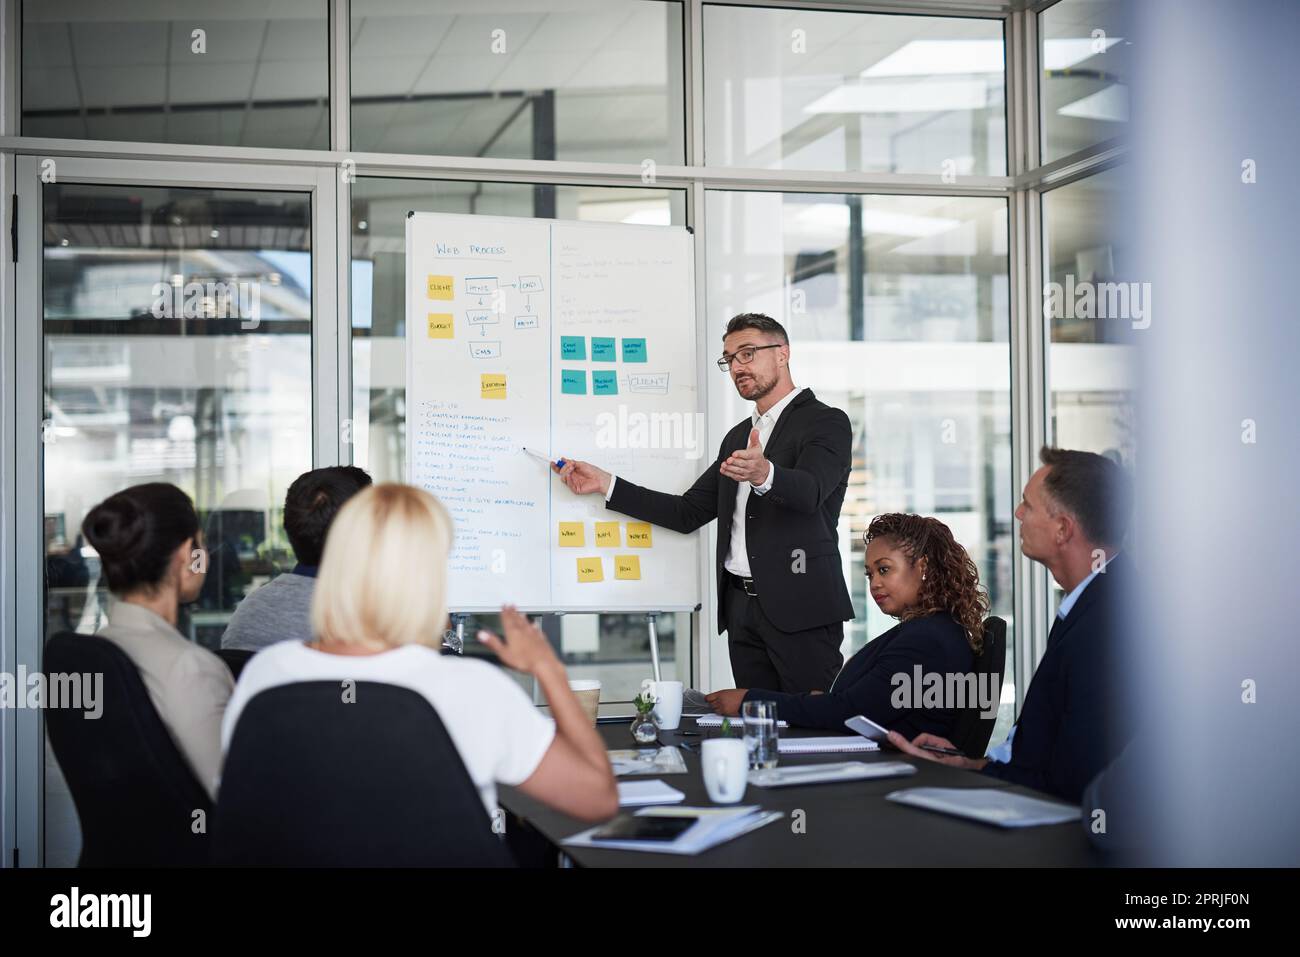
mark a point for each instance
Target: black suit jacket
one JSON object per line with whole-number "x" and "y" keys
{"x": 866, "y": 684}
{"x": 1072, "y": 723}
{"x": 790, "y": 532}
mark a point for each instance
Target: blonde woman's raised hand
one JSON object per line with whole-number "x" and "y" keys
{"x": 525, "y": 647}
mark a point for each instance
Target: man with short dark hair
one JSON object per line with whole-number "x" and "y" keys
{"x": 776, "y": 486}
{"x": 281, "y": 609}
{"x": 1074, "y": 516}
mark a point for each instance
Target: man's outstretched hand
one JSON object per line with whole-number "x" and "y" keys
{"x": 583, "y": 478}
{"x": 747, "y": 464}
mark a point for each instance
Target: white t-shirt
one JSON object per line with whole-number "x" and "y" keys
{"x": 500, "y": 734}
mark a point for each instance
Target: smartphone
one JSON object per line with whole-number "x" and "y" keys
{"x": 629, "y": 827}
{"x": 867, "y": 728}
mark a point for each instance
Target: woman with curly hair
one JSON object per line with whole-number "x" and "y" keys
{"x": 919, "y": 574}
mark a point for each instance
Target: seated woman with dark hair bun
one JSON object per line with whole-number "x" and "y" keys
{"x": 919, "y": 574}
{"x": 151, "y": 551}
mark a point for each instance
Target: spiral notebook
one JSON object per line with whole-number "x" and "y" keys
{"x": 715, "y": 721}
{"x": 825, "y": 745}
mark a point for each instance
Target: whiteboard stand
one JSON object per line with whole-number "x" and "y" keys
{"x": 654, "y": 644}
{"x": 455, "y": 639}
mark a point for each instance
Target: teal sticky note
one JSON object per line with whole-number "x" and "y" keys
{"x": 634, "y": 350}
{"x": 573, "y": 381}
{"x": 604, "y": 383}
{"x": 602, "y": 350}
{"x": 573, "y": 347}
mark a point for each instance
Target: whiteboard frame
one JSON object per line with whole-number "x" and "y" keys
{"x": 693, "y": 332}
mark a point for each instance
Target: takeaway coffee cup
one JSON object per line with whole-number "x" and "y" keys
{"x": 588, "y": 692}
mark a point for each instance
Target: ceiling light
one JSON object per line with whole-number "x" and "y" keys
{"x": 936, "y": 57}
{"x": 946, "y": 57}
{"x": 914, "y": 97}
{"x": 1109, "y": 103}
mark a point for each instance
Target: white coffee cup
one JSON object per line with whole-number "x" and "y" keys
{"x": 726, "y": 769}
{"x": 668, "y": 702}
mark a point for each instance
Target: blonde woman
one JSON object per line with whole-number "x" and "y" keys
{"x": 378, "y": 614}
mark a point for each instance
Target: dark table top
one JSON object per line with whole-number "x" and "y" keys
{"x": 848, "y": 824}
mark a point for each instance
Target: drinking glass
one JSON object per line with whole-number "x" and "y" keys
{"x": 760, "y": 733}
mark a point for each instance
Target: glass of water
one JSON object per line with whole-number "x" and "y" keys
{"x": 760, "y": 733}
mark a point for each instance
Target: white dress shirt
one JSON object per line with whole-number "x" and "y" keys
{"x": 737, "y": 561}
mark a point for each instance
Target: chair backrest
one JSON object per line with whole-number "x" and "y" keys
{"x": 136, "y": 795}
{"x": 314, "y": 780}
{"x": 972, "y": 731}
{"x": 235, "y": 659}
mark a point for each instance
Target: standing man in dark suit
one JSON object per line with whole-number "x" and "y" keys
{"x": 777, "y": 486}
{"x": 1073, "y": 518}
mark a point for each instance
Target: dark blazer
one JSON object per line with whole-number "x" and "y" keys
{"x": 865, "y": 685}
{"x": 810, "y": 448}
{"x": 1072, "y": 725}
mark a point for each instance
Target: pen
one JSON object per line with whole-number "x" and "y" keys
{"x": 950, "y": 751}
{"x": 558, "y": 463}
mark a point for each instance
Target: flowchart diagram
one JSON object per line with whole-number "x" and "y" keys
{"x": 489, "y": 305}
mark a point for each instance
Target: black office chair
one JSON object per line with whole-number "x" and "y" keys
{"x": 235, "y": 659}
{"x": 312, "y": 780}
{"x": 972, "y": 731}
{"x": 135, "y": 793}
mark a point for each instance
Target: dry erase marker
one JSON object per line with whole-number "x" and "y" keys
{"x": 558, "y": 463}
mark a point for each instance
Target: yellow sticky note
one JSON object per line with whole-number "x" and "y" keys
{"x": 607, "y": 534}
{"x": 571, "y": 535}
{"x": 590, "y": 570}
{"x": 492, "y": 385}
{"x": 441, "y": 325}
{"x": 627, "y": 568}
{"x": 439, "y": 287}
{"x": 638, "y": 535}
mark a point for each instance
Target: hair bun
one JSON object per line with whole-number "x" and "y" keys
{"x": 116, "y": 527}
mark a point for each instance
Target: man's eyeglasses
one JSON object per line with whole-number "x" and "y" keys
{"x": 744, "y": 356}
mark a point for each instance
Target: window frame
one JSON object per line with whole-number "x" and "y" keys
{"x": 325, "y": 174}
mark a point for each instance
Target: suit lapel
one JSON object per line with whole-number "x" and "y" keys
{"x": 1092, "y": 594}
{"x": 805, "y": 396}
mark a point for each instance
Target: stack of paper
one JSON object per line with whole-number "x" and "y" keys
{"x": 829, "y": 773}
{"x": 713, "y": 826}
{"x": 988, "y": 805}
{"x": 636, "y": 793}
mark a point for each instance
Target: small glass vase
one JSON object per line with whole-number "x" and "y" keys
{"x": 644, "y": 729}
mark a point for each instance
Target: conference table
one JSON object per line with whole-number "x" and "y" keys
{"x": 844, "y": 824}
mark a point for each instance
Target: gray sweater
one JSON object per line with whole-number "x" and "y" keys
{"x": 278, "y": 611}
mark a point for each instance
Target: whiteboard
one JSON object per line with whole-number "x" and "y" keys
{"x": 571, "y": 339}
